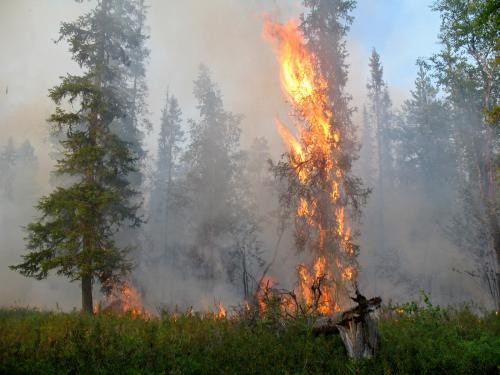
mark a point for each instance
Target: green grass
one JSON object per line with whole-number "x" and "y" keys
{"x": 414, "y": 341}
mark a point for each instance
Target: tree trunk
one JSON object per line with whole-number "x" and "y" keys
{"x": 360, "y": 337}
{"x": 87, "y": 303}
{"x": 357, "y": 327}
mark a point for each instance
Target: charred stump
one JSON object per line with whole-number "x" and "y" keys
{"x": 357, "y": 327}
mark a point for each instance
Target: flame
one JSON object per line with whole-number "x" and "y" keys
{"x": 306, "y": 90}
{"x": 303, "y": 209}
{"x": 297, "y": 153}
{"x": 221, "y": 312}
{"x": 263, "y": 292}
{"x": 305, "y": 284}
{"x": 313, "y": 147}
{"x": 315, "y": 289}
{"x": 125, "y": 299}
{"x": 348, "y": 273}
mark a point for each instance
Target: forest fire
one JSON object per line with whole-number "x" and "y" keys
{"x": 221, "y": 312}
{"x": 125, "y": 299}
{"x": 263, "y": 293}
{"x": 174, "y": 219}
{"x": 313, "y": 147}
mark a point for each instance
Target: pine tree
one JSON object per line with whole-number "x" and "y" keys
{"x": 26, "y": 152}
{"x": 467, "y": 68}
{"x": 18, "y": 167}
{"x": 426, "y": 157}
{"x": 132, "y": 128}
{"x": 26, "y": 170}
{"x": 258, "y": 173}
{"x": 367, "y": 153}
{"x": 324, "y": 25}
{"x": 7, "y": 169}
{"x": 75, "y": 232}
{"x": 380, "y": 116}
{"x": 166, "y": 194}
{"x": 253, "y": 186}
{"x": 212, "y": 159}
{"x": 422, "y": 142}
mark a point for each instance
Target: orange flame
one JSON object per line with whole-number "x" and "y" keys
{"x": 311, "y": 153}
{"x": 303, "y": 209}
{"x": 262, "y": 296}
{"x": 305, "y": 283}
{"x": 221, "y": 312}
{"x": 125, "y": 299}
{"x": 306, "y": 90}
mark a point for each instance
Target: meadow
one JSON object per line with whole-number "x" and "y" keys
{"x": 414, "y": 340}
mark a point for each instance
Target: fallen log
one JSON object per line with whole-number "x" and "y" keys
{"x": 357, "y": 327}
{"x": 327, "y": 324}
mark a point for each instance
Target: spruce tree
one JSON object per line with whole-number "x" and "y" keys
{"x": 212, "y": 160}
{"x": 165, "y": 194}
{"x": 133, "y": 127}
{"x": 7, "y": 169}
{"x": 467, "y": 69}
{"x": 78, "y": 220}
{"x": 380, "y": 116}
{"x": 335, "y": 194}
{"x": 367, "y": 153}
{"x": 426, "y": 157}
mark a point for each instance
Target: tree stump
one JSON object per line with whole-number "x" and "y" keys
{"x": 357, "y": 327}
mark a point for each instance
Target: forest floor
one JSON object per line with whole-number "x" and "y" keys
{"x": 415, "y": 340}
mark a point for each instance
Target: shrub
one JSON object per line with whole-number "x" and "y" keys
{"x": 419, "y": 340}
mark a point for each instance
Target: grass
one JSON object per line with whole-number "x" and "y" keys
{"x": 415, "y": 340}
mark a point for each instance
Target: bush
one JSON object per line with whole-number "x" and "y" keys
{"x": 429, "y": 340}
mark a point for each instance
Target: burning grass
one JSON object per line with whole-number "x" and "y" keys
{"x": 414, "y": 340}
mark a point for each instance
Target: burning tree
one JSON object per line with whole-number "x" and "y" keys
{"x": 325, "y": 195}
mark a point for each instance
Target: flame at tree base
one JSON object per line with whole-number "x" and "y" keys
{"x": 315, "y": 174}
{"x": 315, "y": 167}
{"x": 124, "y": 299}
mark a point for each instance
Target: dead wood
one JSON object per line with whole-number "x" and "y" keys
{"x": 357, "y": 327}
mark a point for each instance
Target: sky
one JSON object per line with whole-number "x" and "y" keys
{"x": 401, "y": 31}
{"x": 224, "y": 34}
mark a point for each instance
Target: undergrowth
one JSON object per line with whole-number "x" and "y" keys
{"x": 415, "y": 340}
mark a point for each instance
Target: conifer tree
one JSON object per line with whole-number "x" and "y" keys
{"x": 74, "y": 234}
{"x": 133, "y": 127}
{"x": 426, "y": 157}
{"x": 367, "y": 153}
{"x": 212, "y": 159}
{"x": 165, "y": 195}
{"x": 380, "y": 116}
{"x": 467, "y": 69}
{"x": 324, "y": 24}
{"x": 7, "y": 169}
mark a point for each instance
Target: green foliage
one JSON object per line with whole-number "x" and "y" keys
{"x": 436, "y": 340}
{"x": 426, "y": 155}
{"x": 75, "y": 233}
{"x": 468, "y": 72}
{"x": 426, "y": 340}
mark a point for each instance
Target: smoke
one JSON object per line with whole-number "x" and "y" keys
{"x": 225, "y": 35}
